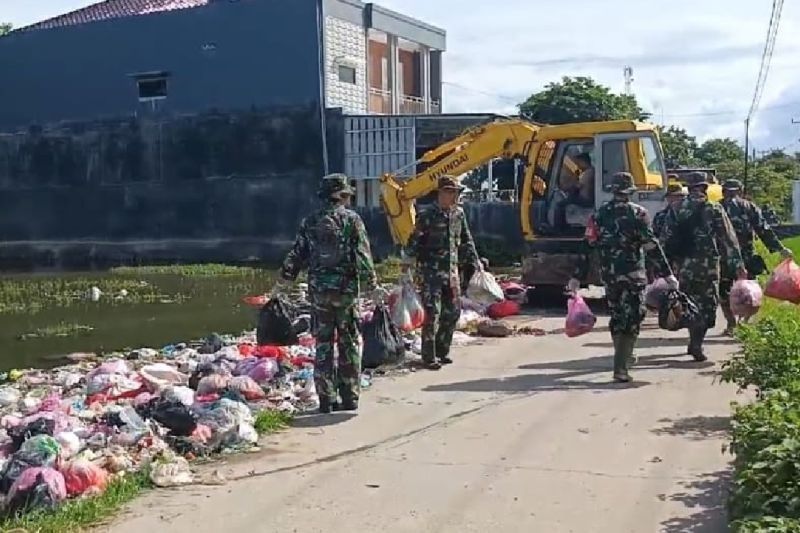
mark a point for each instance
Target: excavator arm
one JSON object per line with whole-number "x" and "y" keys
{"x": 477, "y": 146}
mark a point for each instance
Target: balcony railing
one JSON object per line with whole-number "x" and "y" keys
{"x": 380, "y": 101}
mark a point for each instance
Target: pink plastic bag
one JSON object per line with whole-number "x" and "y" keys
{"x": 784, "y": 283}
{"x": 37, "y": 487}
{"x": 580, "y": 319}
{"x": 212, "y": 384}
{"x": 745, "y": 298}
{"x": 82, "y": 476}
{"x": 406, "y": 308}
{"x": 248, "y": 388}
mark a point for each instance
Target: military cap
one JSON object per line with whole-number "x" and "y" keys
{"x": 622, "y": 182}
{"x": 732, "y": 185}
{"x": 696, "y": 179}
{"x": 676, "y": 189}
{"x": 334, "y": 185}
{"x": 448, "y": 183}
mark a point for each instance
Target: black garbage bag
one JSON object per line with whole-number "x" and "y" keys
{"x": 170, "y": 413}
{"x": 212, "y": 344}
{"x": 40, "y": 426}
{"x": 18, "y": 463}
{"x": 383, "y": 344}
{"x": 275, "y": 323}
{"x": 678, "y": 311}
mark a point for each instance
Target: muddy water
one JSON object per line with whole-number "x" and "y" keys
{"x": 184, "y": 308}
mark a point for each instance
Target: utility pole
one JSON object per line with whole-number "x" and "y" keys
{"x": 746, "y": 150}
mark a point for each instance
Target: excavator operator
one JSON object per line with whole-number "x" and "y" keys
{"x": 580, "y": 193}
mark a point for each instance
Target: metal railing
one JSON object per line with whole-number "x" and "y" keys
{"x": 380, "y": 101}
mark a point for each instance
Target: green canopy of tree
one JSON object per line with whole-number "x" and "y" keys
{"x": 5, "y": 27}
{"x": 769, "y": 179}
{"x": 580, "y": 99}
{"x": 678, "y": 146}
{"x": 716, "y": 151}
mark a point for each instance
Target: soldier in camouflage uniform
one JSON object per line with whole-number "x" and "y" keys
{"x": 440, "y": 242}
{"x": 747, "y": 222}
{"x": 332, "y": 244}
{"x": 697, "y": 238}
{"x": 625, "y": 245}
{"x": 676, "y": 193}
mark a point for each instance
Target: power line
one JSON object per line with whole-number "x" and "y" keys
{"x": 515, "y": 101}
{"x": 766, "y": 56}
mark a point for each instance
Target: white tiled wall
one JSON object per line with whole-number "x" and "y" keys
{"x": 345, "y": 39}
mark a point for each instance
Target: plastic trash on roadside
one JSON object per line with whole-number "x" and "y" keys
{"x": 70, "y": 443}
{"x": 160, "y": 375}
{"x": 784, "y": 283}
{"x": 9, "y": 396}
{"x": 247, "y": 387}
{"x": 406, "y": 310}
{"x": 483, "y": 288}
{"x": 82, "y": 476}
{"x": 503, "y": 309}
{"x": 171, "y": 471}
{"x": 745, "y": 298}
{"x": 580, "y": 319}
{"x": 213, "y": 384}
{"x": 275, "y": 323}
{"x": 36, "y": 488}
{"x": 184, "y": 395}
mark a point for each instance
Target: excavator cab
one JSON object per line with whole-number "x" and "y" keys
{"x": 555, "y": 238}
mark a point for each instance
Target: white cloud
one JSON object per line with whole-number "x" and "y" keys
{"x": 688, "y": 56}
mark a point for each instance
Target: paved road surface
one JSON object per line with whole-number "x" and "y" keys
{"x": 520, "y": 435}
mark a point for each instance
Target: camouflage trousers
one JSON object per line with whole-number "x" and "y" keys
{"x": 332, "y": 318}
{"x": 626, "y": 306}
{"x": 442, "y": 311}
{"x": 705, "y": 293}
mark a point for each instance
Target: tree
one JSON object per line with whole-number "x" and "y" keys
{"x": 769, "y": 179}
{"x": 678, "y": 146}
{"x": 580, "y": 99}
{"x": 5, "y": 27}
{"x": 715, "y": 151}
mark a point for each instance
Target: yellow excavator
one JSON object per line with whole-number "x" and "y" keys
{"x": 548, "y": 155}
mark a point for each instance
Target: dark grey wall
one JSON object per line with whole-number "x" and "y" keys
{"x": 207, "y": 187}
{"x": 257, "y": 53}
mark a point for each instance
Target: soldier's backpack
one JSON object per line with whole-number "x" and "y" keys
{"x": 331, "y": 248}
{"x": 681, "y": 242}
{"x": 677, "y": 311}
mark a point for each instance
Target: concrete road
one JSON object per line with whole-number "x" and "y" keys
{"x": 524, "y": 434}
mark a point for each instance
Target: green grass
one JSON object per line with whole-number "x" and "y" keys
{"x": 30, "y": 295}
{"x": 62, "y": 329}
{"x": 271, "y": 421}
{"x": 208, "y": 270}
{"x": 82, "y": 514}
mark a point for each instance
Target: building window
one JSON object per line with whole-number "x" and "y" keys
{"x": 152, "y": 86}
{"x": 347, "y": 74}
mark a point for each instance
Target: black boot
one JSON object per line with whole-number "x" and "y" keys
{"x": 696, "y": 338}
{"x": 326, "y": 406}
{"x": 349, "y": 401}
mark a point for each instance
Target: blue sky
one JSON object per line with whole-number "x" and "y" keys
{"x": 689, "y": 56}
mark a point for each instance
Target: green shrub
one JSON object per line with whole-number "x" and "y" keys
{"x": 767, "y": 524}
{"x": 771, "y": 355}
{"x": 766, "y": 441}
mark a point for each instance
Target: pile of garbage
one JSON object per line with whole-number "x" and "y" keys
{"x": 65, "y": 432}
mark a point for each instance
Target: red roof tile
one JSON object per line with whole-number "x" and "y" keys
{"x": 111, "y": 9}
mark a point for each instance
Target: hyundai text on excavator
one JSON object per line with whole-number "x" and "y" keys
{"x": 548, "y": 156}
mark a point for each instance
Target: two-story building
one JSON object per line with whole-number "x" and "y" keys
{"x": 122, "y": 57}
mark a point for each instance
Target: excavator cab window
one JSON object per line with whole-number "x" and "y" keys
{"x": 615, "y": 159}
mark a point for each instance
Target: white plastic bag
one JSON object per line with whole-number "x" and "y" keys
{"x": 484, "y": 289}
{"x": 405, "y": 305}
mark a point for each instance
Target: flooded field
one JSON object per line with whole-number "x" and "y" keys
{"x": 43, "y": 317}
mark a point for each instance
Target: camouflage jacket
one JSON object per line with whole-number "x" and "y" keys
{"x": 711, "y": 237}
{"x": 333, "y": 245}
{"x": 747, "y": 222}
{"x": 440, "y": 242}
{"x": 624, "y": 243}
{"x": 660, "y": 221}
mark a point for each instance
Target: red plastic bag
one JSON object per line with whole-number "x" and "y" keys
{"x": 503, "y": 309}
{"x": 247, "y": 350}
{"x": 784, "y": 283}
{"x": 268, "y": 350}
{"x": 745, "y": 298}
{"x": 580, "y": 319}
{"x": 256, "y": 301}
{"x": 407, "y": 311}
{"x": 82, "y": 476}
